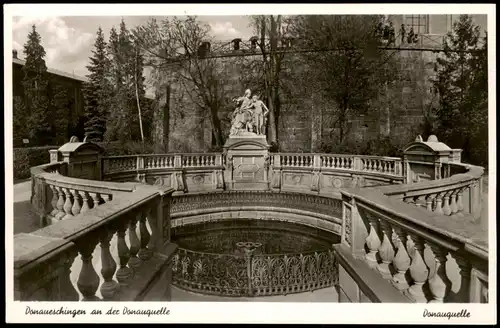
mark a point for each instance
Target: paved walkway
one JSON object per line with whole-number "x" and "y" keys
{"x": 25, "y": 220}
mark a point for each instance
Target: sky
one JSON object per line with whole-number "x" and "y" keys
{"x": 68, "y": 40}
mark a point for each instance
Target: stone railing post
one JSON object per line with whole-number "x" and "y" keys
{"x": 475, "y": 200}
{"x": 45, "y": 278}
{"x": 357, "y": 164}
{"x": 316, "y": 173}
{"x": 276, "y": 179}
{"x": 178, "y": 161}
{"x": 140, "y": 163}
{"x": 54, "y": 155}
{"x": 218, "y": 160}
{"x": 398, "y": 168}
{"x": 354, "y": 231}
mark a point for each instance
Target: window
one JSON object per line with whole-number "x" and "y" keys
{"x": 418, "y": 22}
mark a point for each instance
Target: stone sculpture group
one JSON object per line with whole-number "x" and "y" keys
{"x": 249, "y": 117}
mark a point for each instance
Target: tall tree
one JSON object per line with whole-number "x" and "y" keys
{"x": 349, "y": 65}
{"x": 173, "y": 46}
{"x": 462, "y": 84}
{"x": 35, "y": 83}
{"x": 271, "y": 30}
{"x": 62, "y": 113}
{"x": 97, "y": 91}
{"x": 117, "y": 123}
{"x": 19, "y": 128}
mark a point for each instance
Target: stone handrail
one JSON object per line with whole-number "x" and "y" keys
{"x": 424, "y": 238}
{"x": 446, "y": 259}
{"x": 114, "y": 164}
{"x": 56, "y": 197}
{"x": 457, "y": 195}
{"x": 314, "y": 173}
{"x": 375, "y": 164}
{"x": 44, "y": 259}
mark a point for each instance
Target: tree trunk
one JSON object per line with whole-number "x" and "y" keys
{"x": 273, "y": 135}
{"x": 216, "y": 126}
{"x": 139, "y": 109}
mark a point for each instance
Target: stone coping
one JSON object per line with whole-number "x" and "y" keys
{"x": 30, "y": 249}
{"x": 452, "y": 229}
{"x": 376, "y": 288}
{"x": 472, "y": 173}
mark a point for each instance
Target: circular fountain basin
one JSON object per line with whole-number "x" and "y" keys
{"x": 253, "y": 258}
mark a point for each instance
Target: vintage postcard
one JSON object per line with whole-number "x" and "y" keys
{"x": 250, "y": 163}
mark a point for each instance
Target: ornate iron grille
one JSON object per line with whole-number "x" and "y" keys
{"x": 254, "y": 275}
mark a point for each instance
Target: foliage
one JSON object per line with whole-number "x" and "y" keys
{"x": 19, "y": 128}
{"x": 351, "y": 69}
{"x": 35, "y": 83}
{"x": 128, "y": 104}
{"x": 25, "y": 158}
{"x": 265, "y": 73}
{"x": 127, "y": 148}
{"x": 172, "y": 47}
{"x": 61, "y": 105}
{"x": 97, "y": 91}
{"x": 462, "y": 85}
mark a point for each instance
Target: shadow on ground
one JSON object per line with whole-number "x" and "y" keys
{"x": 26, "y": 219}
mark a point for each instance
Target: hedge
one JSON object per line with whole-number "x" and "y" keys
{"x": 25, "y": 158}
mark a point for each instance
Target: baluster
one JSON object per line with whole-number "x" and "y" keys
{"x": 386, "y": 251}
{"x": 76, "y": 203}
{"x": 60, "y": 203}
{"x": 124, "y": 272}
{"x": 85, "y": 201}
{"x": 300, "y": 160}
{"x": 373, "y": 243}
{"x": 54, "y": 201}
{"x": 134, "y": 262}
{"x": 439, "y": 204}
{"x": 401, "y": 261}
{"x": 88, "y": 280}
{"x": 68, "y": 204}
{"x": 453, "y": 205}
{"x": 438, "y": 281}
{"x": 446, "y": 203}
{"x": 106, "y": 197}
{"x": 95, "y": 199}
{"x": 144, "y": 253}
{"x": 463, "y": 294}
{"x": 428, "y": 201}
{"x": 418, "y": 271}
{"x": 109, "y": 287}
{"x": 460, "y": 204}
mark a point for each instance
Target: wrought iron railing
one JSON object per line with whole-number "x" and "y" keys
{"x": 254, "y": 275}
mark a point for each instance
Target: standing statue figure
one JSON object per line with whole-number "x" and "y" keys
{"x": 242, "y": 115}
{"x": 260, "y": 111}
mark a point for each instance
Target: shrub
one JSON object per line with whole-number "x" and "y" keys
{"x": 25, "y": 158}
{"x": 127, "y": 148}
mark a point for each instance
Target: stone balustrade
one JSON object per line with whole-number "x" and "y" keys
{"x": 414, "y": 236}
{"x": 424, "y": 256}
{"x": 318, "y": 173}
{"x": 126, "y": 226}
{"x": 296, "y": 160}
{"x": 458, "y": 195}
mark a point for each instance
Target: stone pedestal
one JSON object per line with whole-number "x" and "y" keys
{"x": 247, "y": 162}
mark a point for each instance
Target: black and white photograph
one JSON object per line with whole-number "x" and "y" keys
{"x": 164, "y": 159}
